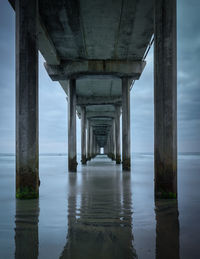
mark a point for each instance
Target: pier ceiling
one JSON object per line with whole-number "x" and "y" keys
{"x": 97, "y": 43}
{"x": 98, "y": 29}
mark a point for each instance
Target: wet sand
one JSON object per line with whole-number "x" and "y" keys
{"x": 100, "y": 211}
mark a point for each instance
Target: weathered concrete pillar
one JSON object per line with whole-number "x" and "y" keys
{"x": 83, "y": 135}
{"x": 105, "y": 149}
{"x": 91, "y": 141}
{"x": 114, "y": 140}
{"x": 126, "y": 124}
{"x": 117, "y": 134}
{"x": 88, "y": 140}
{"x": 72, "y": 163}
{"x": 93, "y": 146}
{"x": 111, "y": 143}
{"x": 165, "y": 99}
{"x": 109, "y": 146}
{"x": 27, "y": 176}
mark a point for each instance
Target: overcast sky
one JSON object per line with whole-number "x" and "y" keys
{"x": 53, "y": 104}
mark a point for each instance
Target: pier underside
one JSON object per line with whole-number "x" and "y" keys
{"x": 96, "y": 49}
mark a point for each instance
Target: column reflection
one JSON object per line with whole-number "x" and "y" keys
{"x": 100, "y": 217}
{"x": 26, "y": 230}
{"x": 167, "y": 229}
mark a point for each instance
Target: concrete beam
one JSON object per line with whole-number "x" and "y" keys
{"x": 45, "y": 44}
{"x": 100, "y": 114}
{"x": 98, "y": 100}
{"x": 27, "y": 175}
{"x": 165, "y": 99}
{"x": 79, "y": 69}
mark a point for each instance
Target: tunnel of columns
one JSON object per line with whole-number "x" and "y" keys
{"x": 96, "y": 50}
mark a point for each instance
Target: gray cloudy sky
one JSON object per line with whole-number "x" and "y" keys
{"x": 53, "y": 104}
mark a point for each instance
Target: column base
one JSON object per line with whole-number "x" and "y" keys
{"x": 165, "y": 181}
{"x": 84, "y": 160}
{"x": 126, "y": 165}
{"x": 118, "y": 160}
{"x": 27, "y": 185}
{"x": 165, "y": 195}
{"x": 163, "y": 192}
{"x": 72, "y": 165}
{"x": 111, "y": 156}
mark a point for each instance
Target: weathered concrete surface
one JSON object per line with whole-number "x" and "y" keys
{"x": 113, "y": 140}
{"x": 88, "y": 140}
{"x": 80, "y": 69}
{"x": 126, "y": 125}
{"x": 117, "y": 134}
{"x": 165, "y": 98}
{"x": 91, "y": 141}
{"x": 101, "y": 28}
{"x": 72, "y": 163}
{"x": 83, "y": 135}
{"x": 99, "y": 100}
{"x": 27, "y": 176}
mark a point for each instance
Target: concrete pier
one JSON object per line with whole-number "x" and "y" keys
{"x": 27, "y": 178}
{"x": 117, "y": 134}
{"x": 126, "y": 124}
{"x": 83, "y": 136}
{"x": 165, "y": 98}
{"x": 97, "y": 73}
{"x": 72, "y": 163}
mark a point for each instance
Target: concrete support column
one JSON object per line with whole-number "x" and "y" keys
{"x": 109, "y": 146}
{"x": 27, "y": 176}
{"x": 72, "y": 163}
{"x": 126, "y": 124}
{"x": 117, "y": 135}
{"x": 83, "y": 135}
{"x": 114, "y": 140}
{"x": 93, "y": 146}
{"x": 91, "y": 141}
{"x": 88, "y": 140}
{"x": 106, "y": 149}
{"x": 165, "y": 99}
{"x": 111, "y": 143}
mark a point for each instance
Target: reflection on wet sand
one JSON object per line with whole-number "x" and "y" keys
{"x": 100, "y": 211}
{"x": 167, "y": 229}
{"x": 26, "y": 230}
{"x": 99, "y": 216}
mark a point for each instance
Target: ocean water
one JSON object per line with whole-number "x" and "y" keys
{"x": 100, "y": 211}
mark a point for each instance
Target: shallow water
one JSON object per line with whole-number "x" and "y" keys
{"x": 100, "y": 211}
